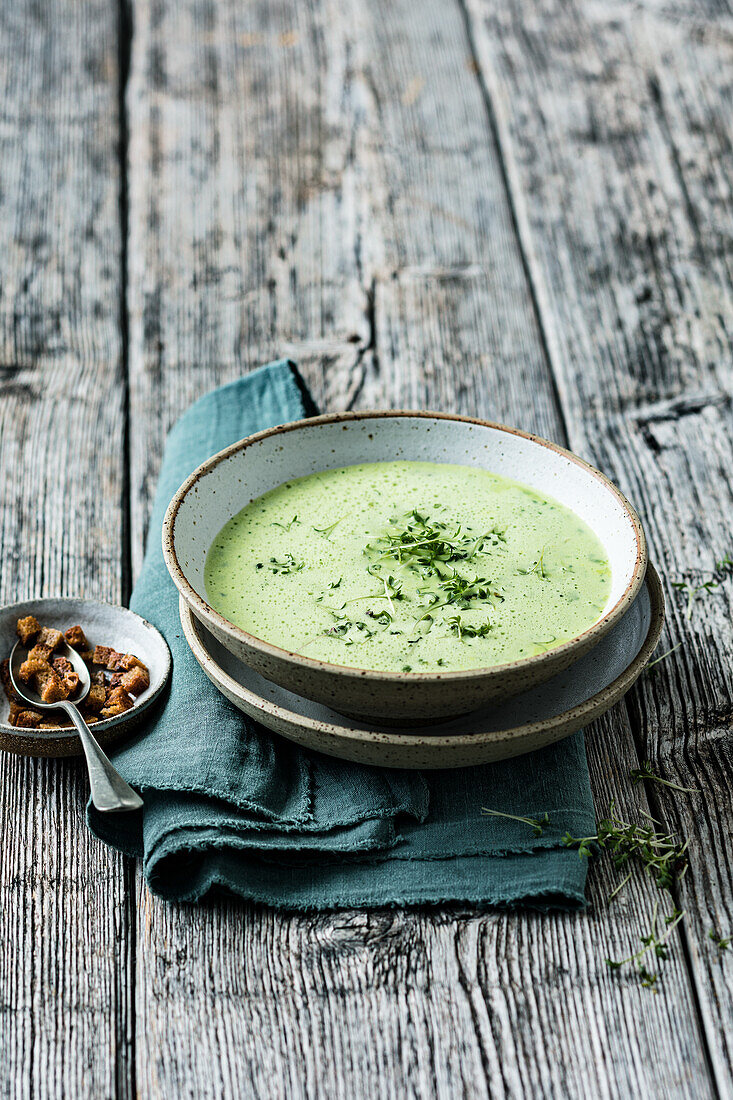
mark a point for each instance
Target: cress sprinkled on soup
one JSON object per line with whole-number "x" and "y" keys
{"x": 408, "y": 566}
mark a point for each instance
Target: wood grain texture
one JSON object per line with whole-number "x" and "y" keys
{"x": 615, "y": 131}
{"x": 65, "y": 967}
{"x": 247, "y": 214}
{"x": 334, "y": 190}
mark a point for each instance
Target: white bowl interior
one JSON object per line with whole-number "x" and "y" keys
{"x": 247, "y": 474}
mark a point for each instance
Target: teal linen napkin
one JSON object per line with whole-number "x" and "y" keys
{"x": 230, "y": 805}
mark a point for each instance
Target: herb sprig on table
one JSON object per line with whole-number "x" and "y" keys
{"x": 629, "y": 844}
{"x": 696, "y": 583}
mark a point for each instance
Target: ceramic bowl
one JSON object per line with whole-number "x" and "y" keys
{"x": 224, "y": 484}
{"x": 104, "y": 624}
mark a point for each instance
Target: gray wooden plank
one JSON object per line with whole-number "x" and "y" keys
{"x": 367, "y": 122}
{"x": 65, "y": 1023}
{"x": 614, "y": 124}
{"x": 247, "y": 215}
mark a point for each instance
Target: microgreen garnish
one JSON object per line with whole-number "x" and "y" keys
{"x": 426, "y": 547}
{"x": 721, "y": 943}
{"x": 661, "y": 854}
{"x": 350, "y": 631}
{"x": 652, "y": 664}
{"x": 537, "y": 567}
{"x": 382, "y": 617}
{"x": 696, "y": 584}
{"x": 653, "y": 941}
{"x": 468, "y": 630}
{"x": 326, "y": 531}
{"x": 285, "y": 526}
{"x": 287, "y": 565}
{"x": 538, "y": 825}
{"x": 646, "y": 772}
{"x": 693, "y": 592}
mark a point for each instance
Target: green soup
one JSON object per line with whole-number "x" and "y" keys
{"x": 408, "y": 566}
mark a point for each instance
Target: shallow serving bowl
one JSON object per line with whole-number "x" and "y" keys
{"x": 224, "y": 484}
{"x": 103, "y": 623}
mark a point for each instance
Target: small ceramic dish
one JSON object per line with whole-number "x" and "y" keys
{"x": 542, "y": 715}
{"x": 103, "y": 624}
{"x": 224, "y": 484}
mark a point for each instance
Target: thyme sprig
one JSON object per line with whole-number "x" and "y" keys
{"x": 287, "y": 565}
{"x": 538, "y": 824}
{"x": 647, "y": 772}
{"x": 653, "y": 941}
{"x": 696, "y": 584}
{"x": 721, "y": 943}
{"x": 662, "y": 657}
{"x": 660, "y": 854}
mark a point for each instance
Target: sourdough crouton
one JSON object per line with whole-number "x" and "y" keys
{"x": 76, "y": 638}
{"x": 96, "y": 699}
{"x": 65, "y": 669}
{"x": 36, "y": 662}
{"x": 128, "y": 661}
{"x": 136, "y": 680}
{"x": 117, "y": 702}
{"x": 50, "y": 637}
{"x": 27, "y": 719}
{"x": 50, "y": 686}
{"x": 106, "y": 656}
{"x": 27, "y": 628}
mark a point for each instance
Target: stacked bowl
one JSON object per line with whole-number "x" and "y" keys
{"x": 429, "y": 719}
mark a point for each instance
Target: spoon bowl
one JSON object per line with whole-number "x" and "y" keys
{"x": 30, "y": 696}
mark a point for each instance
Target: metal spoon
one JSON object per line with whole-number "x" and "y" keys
{"x": 110, "y": 792}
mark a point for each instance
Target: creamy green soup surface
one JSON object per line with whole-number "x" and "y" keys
{"x": 408, "y": 566}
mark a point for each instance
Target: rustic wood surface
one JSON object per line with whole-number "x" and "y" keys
{"x": 513, "y": 208}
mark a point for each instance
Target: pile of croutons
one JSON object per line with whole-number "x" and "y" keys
{"x": 116, "y": 677}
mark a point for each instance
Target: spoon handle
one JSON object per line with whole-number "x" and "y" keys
{"x": 110, "y": 792}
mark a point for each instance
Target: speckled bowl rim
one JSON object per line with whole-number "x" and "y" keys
{"x": 66, "y": 742}
{"x": 567, "y": 722}
{"x": 538, "y": 661}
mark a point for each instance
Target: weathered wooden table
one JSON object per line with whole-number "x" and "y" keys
{"x": 518, "y": 209}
